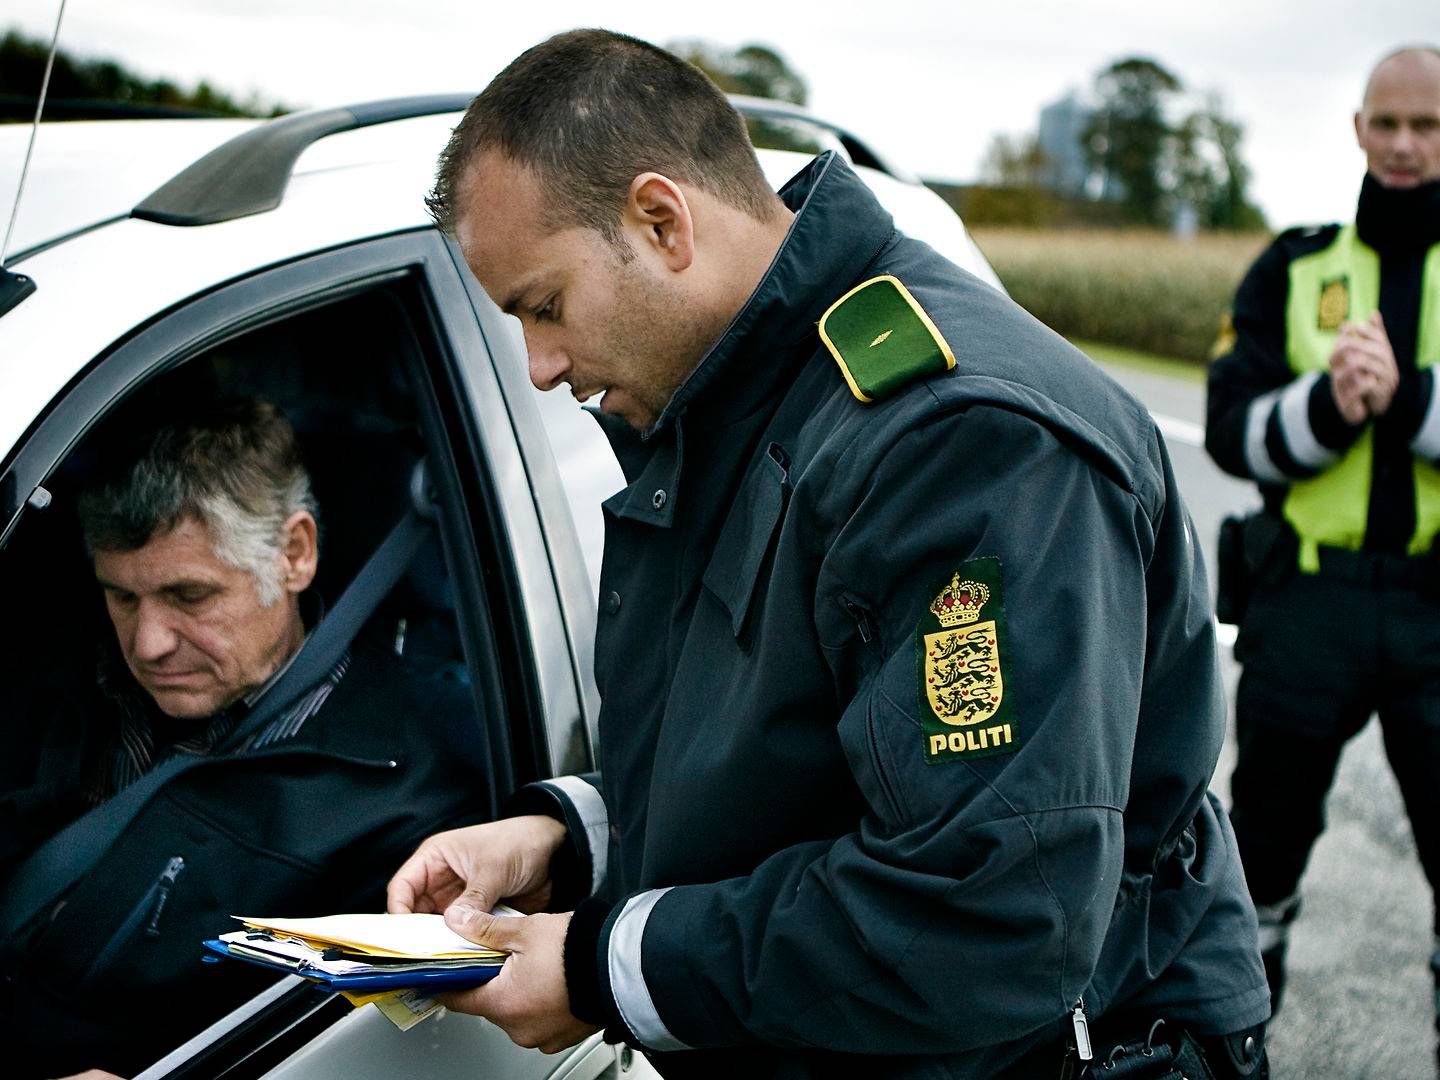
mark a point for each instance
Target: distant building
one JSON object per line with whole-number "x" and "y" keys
{"x": 1062, "y": 122}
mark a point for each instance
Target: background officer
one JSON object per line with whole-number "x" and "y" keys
{"x": 1326, "y": 398}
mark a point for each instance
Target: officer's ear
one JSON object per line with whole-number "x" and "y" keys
{"x": 658, "y": 215}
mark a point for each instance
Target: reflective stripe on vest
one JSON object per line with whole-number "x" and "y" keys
{"x": 1332, "y": 508}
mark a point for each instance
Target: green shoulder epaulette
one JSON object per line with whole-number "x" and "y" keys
{"x": 882, "y": 338}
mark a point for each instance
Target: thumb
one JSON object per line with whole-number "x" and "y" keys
{"x": 481, "y": 927}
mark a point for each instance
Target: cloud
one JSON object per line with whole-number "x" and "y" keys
{"x": 928, "y": 83}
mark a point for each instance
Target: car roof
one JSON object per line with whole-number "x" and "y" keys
{"x": 76, "y": 235}
{"x": 88, "y": 171}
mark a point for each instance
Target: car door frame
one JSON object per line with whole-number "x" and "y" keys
{"x": 488, "y": 417}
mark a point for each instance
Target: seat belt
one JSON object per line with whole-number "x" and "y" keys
{"x": 53, "y": 868}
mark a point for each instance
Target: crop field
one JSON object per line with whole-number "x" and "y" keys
{"x": 1139, "y": 289}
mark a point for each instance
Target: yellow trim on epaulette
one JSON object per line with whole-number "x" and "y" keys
{"x": 920, "y": 313}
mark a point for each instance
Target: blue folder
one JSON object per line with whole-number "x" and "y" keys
{"x": 366, "y": 982}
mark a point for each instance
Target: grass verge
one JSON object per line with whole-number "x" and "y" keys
{"x": 1143, "y": 290}
{"x": 1152, "y": 363}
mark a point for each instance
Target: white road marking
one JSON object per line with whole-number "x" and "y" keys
{"x": 1180, "y": 430}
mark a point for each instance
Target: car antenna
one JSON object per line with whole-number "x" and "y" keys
{"x": 15, "y": 287}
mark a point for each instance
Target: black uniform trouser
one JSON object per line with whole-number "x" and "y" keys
{"x": 1321, "y": 653}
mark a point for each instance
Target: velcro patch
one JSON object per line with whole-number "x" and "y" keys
{"x": 882, "y": 338}
{"x": 961, "y": 645}
{"x": 1334, "y": 306}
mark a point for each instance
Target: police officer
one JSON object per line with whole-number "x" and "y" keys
{"x": 909, "y": 678}
{"x": 1325, "y": 397}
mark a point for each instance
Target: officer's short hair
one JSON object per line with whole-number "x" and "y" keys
{"x": 588, "y": 111}
{"x": 232, "y": 464}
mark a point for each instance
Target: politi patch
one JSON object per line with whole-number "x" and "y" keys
{"x": 961, "y": 644}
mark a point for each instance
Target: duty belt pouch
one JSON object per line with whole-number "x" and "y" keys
{"x": 1233, "y": 583}
{"x": 1152, "y": 1056}
{"x": 1257, "y": 549}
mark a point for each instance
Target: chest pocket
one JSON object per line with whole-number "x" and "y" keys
{"x": 748, "y": 535}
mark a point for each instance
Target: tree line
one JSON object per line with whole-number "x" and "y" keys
{"x": 1148, "y": 163}
{"x": 103, "y": 89}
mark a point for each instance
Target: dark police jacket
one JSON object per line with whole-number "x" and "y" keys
{"x": 309, "y": 826}
{"x": 802, "y": 873}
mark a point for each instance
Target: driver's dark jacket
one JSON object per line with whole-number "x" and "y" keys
{"x": 114, "y": 978}
{"x": 761, "y": 749}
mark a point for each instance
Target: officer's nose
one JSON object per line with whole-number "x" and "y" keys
{"x": 548, "y": 366}
{"x": 154, "y": 636}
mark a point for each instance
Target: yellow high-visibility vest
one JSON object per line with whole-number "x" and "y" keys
{"x": 1338, "y": 284}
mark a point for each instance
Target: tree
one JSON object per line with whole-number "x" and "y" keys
{"x": 1014, "y": 161}
{"x": 756, "y": 70}
{"x": 1210, "y": 174}
{"x": 1155, "y": 167}
{"x": 1128, "y": 136}
{"x": 82, "y": 89}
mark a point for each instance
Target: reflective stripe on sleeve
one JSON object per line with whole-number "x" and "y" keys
{"x": 1257, "y": 418}
{"x": 1295, "y": 424}
{"x": 1427, "y": 440}
{"x": 590, "y": 809}
{"x": 627, "y": 981}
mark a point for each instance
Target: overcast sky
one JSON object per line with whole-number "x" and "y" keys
{"x": 927, "y": 83}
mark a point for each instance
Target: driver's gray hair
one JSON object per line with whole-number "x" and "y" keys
{"x": 235, "y": 467}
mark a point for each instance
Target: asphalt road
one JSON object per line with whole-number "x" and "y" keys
{"x": 1359, "y": 1000}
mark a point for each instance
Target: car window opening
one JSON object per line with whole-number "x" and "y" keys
{"x": 314, "y": 821}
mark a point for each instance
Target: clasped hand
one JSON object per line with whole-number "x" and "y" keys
{"x": 463, "y": 874}
{"x": 1363, "y": 372}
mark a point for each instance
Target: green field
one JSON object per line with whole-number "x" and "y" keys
{"x": 1136, "y": 289}
{"x": 1144, "y": 361}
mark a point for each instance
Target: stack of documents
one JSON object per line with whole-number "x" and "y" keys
{"x": 365, "y": 953}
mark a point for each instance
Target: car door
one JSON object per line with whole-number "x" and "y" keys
{"x": 518, "y": 601}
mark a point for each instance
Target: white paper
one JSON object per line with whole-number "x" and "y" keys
{"x": 411, "y": 936}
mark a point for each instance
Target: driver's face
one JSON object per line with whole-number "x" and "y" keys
{"x": 191, "y": 626}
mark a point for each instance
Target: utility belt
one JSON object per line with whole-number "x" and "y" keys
{"x": 1262, "y": 549}
{"x": 1379, "y": 570}
{"x": 1136, "y": 1048}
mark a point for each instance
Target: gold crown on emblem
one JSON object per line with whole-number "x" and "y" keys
{"x": 960, "y": 602}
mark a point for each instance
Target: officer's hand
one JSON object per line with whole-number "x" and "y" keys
{"x": 93, "y": 1074}
{"x": 528, "y": 1000}
{"x": 466, "y": 872}
{"x": 1363, "y": 372}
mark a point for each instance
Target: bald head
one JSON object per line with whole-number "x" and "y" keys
{"x": 1398, "y": 125}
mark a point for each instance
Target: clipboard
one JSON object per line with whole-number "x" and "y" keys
{"x": 455, "y": 978}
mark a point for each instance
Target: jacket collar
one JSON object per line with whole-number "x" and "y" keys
{"x": 1398, "y": 219}
{"x": 838, "y": 230}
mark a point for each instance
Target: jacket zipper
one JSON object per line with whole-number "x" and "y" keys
{"x": 161, "y": 891}
{"x": 144, "y": 916}
{"x": 1081, "y": 1026}
{"x": 862, "y": 621}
